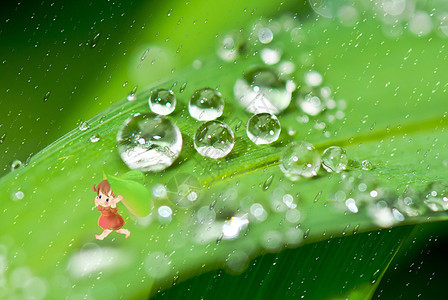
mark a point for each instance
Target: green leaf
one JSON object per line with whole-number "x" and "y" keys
{"x": 136, "y": 197}
{"x": 392, "y": 119}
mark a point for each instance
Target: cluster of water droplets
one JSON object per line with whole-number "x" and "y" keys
{"x": 360, "y": 193}
{"x": 301, "y": 160}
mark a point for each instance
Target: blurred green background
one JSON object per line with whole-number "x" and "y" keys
{"x": 63, "y": 62}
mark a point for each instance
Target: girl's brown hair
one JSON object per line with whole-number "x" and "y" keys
{"x": 103, "y": 187}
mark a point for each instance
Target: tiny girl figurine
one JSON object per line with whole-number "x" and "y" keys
{"x": 106, "y": 203}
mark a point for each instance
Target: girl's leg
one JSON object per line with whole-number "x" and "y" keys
{"x": 103, "y": 235}
{"x": 124, "y": 231}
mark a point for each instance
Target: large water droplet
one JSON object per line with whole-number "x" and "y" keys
{"x": 149, "y": 143}
{"x": 162, "y": 101}
{"x": 334, "y": 159}
{"x": 206, "y": 104}
{"x": 214, "y": 139}
{"x": 263, "y": 128}
{"x": 262, "y": 90}
{"x": 300, "y": 159}
{"x": 436, "y": 196}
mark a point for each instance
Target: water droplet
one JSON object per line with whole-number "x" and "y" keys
{"x": 270, "y": 56}
{"x": 366, "y": 165}
{"x": 436, "y": 196}
{"x": 267, "y": 183}
{"x": 159, "y": 191}
{"x": 230, "y": 46}
{"x": 182, "y": 87}
{"x": 258, "y": 212}
{"x": 94, "y": 138}
{"x": 206, "y": 104}
{"x": 261, "y": 90}
{"x": 263, "y": 128}
{"x": 95, "y": 40}
{"x": 232, "y": 228}
{"x": 300, "y": 159}
{"x": 214, "y": 139}
{"x": 47, "y": 95}
{"x": 15, "y": 165}
{"x": 162, "y": 101}
{"x": 410, "y": 203}
{"x": 83, "y": 126}
{"x": 265, "y": 35}
{"x": 149, "y": 143}
{"x": 132, "y": 95}
{"x": 164, "y": 214}
{"x": 313, "y": 78}
{"x": 334, "y": 159}
{"x": 19, "y": 195}
{"x": 312, "y": 100}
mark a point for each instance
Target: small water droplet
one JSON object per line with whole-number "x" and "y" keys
{"x": 162, "y": 101}
{"x": 267, "y": 183}
{"x": 19, "y": 195}
{"x": 334, "y": 159}
{"x": 182, "y": 87}
{"x": 83, "y": 126}
{"x": 164, "y": 214}
{"x": 300, "y": 159}
{"x": 149, "y": 143}
{"x": 306, "y": 234}
{"x": 206, "y": 104}
{"x": 214, "y": 139}
{"x": 132, "y": 95}
{"x": 261, "y": 90}
{"x": 317, "y": 197}
{"x": 95, "y": 40}
{"x": 263, "y": 128}
{"x": 265, "y": 35}
{"x": 366, "y": 165}
{"x": 15, "y": 165}
{"x": 47, "y": 95}
{"x": 94, "y": 138}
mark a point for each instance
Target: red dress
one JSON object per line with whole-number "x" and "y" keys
{"x": 109, "y": 218}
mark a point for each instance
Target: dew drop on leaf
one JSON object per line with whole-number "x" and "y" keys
{"x": 149, "y": 143}
{"x": 206, "y": 104}
{"x": 262, "y": 90}
{"x": 214, "y": 139}
{"x": 162, "y": 101}
{"x": 263, "y": 128}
